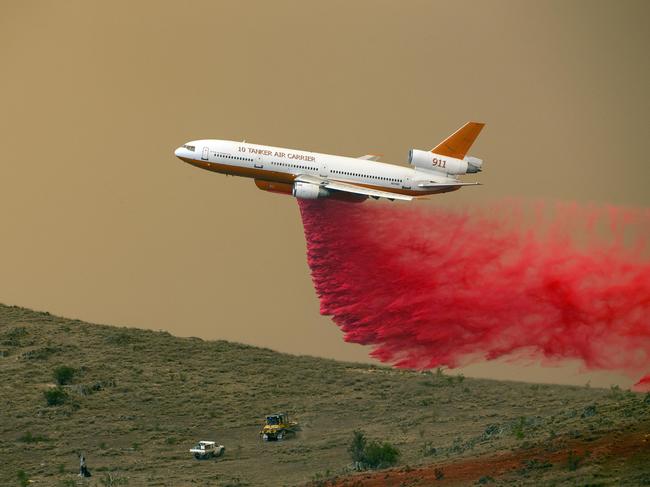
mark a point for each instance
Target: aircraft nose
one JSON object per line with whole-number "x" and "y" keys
{"x": 178, "y": 152}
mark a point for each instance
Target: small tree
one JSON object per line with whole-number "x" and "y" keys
{"x": 55, "y": 396}
{"x": 357, "y": 448}
{"x": 64, "y": 374}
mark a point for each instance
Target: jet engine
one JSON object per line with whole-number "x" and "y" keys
{"x": 307, "y": 191}
{"x": 474, "y": 164}
{"x": 431, "y": 161}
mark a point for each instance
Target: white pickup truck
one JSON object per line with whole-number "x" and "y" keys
{"x": 207, "y": 449}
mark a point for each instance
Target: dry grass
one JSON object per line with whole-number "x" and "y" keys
{"x": 139, "y": 399}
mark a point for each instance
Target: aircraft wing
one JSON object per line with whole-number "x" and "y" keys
{"x": 370, "y": 157}
{"x": 431, "y": 184}
{"x": 351, "y": 188}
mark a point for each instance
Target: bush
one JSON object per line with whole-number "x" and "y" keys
{"x": 575, "y": 461}
{"x": 23, "y": 478}
{"x": 518, "y": 429}
{"x": 42, "y": 353}
{"x": 64, "y": 374}
{"x": 589, "y": 411}
{"x": 55, "y": 396}
{"x": 372, "y": 454}
{"x": 428, "y": 449}
{"x": 13, "y": 336}
{"x": 486, "y": 479}
{"x": 381, "y": 455}
{"x": 29, "y": 438}
{"x": 110, "y": 479}
{"x": 615, "y": 392}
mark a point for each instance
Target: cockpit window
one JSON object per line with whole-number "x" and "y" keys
{"x": 189, "y": 147}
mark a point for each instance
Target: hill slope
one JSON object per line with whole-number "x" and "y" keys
{"x": 140, "y": 399}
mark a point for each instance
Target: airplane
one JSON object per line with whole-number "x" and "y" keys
{"x": 311, "y": 175}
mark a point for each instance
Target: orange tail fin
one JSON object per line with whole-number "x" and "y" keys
{"x": 458, "y": 143}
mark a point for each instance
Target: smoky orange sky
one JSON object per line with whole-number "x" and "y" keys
{"x": 101, "y": 222}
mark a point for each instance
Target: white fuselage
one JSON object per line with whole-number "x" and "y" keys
{"x": 276, "y": 164}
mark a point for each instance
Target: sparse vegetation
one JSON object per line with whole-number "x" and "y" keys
{"x": 12, "y": 337}
{"x": 534, "y": 464}
{"x": 428, "y": 449}
{"x": 42, "y": 353}
{"x": 29, "y": 438}
{"x": 172, "y": 400}
{"x": 110, "y": 479}
{"x": 486, "y": 479}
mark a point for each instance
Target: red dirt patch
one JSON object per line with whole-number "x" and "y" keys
{"x": 613, "y": 447}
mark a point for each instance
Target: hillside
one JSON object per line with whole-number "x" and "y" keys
{"x": 140, "y": 399}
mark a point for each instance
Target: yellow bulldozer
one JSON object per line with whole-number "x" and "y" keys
{"x": 278, "y": 427}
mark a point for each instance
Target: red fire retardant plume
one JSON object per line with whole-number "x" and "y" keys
{"x": 438, "y": 287}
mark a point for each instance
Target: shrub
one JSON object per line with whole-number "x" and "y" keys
{"x": 371, "y": 454}
{"x": 615, "y": 392}
{"x": 589, "y": 411}
{"x": 428, "y": 449}
{"x": 518, "y": 429}
{"x": 23, "y": 478}
{"x": 110, "y": 479}
{"x": 29, "y": 438}
{"x": 381, "y": 455}
{"x": 42, "y": 353}
{"x": 13, "y": 336}
{"x": 120, "y": 338}
{"x": 534, "y": 464}
{"x": 64, "y": 374}
{"x": 55, "y": 396}
{"x": 574, "y": 460}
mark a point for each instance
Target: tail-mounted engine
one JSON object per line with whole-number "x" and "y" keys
{"x": 431, "y": 161}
